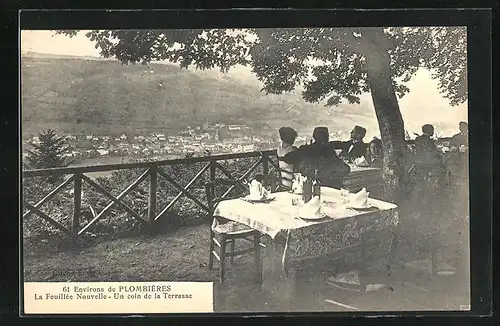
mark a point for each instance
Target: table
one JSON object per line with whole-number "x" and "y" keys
{"x": 295, "y": 241}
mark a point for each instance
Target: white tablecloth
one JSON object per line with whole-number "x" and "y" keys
{"x": 342, "y": 228}
{"x": 280, "y": 215}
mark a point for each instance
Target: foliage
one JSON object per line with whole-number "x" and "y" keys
{"x": 48, "y": 153}
{"x": 330, "y": 63}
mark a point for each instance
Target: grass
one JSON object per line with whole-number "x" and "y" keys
{"x": 182, "y": 255}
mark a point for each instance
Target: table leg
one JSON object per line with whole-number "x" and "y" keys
{"x": 275, "y": 282}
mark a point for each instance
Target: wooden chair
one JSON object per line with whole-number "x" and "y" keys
{"x": 373, "y": 259}
{"x": 373, "y": 249}
{"x": 282, "y": 182}
{"x": 224, "y": 232}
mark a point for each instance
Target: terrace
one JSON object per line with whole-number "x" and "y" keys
{"x": 166, "y": 198}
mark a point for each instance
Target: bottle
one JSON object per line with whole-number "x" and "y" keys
{"x": 316, "y": 185}
{"x": 307, "y": 190}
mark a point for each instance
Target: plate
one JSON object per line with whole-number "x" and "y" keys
{"x": 312, "y": 218}
{"x": 262, "y": 200}
{"x": 362, "y": 208}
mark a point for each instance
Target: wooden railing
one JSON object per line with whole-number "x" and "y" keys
{"x": 265, "y": 160}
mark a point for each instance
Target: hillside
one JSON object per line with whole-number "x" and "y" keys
{"x": 85, "y": 95}
{"x": 95, "y": 95}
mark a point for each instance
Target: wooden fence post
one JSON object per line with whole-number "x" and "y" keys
{"x": 213, "y": 167}
{"x": 212, "y": 170}
{"x": 265, "y": 168}
{"x": 77, "y": 205}
{"x": 153, "y": 181}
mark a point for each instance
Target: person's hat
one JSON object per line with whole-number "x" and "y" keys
{"x": 320, "y": 134}
{"x": 287, "y": 133}
{"x": 360, "y": 131}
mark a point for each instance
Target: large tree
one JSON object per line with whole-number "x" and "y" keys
{"x": 329, "y": 64}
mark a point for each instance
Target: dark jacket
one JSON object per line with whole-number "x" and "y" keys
{"x": 358, "y": 149}
{"x": 426, "y": 152}
{"x": 308, "y": 158}
{"x": 459, "y": 140}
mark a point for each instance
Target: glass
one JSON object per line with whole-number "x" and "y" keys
{"x": 296, "y": 201}
{"x": 345, "y": 194}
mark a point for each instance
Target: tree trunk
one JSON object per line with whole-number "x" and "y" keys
{"x": 390, "y": 122}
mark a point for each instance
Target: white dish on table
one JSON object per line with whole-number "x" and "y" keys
{"x": 253, "y": 199}
{"x": 359, "y": 207}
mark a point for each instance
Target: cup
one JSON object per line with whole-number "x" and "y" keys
{"x": 345, "y": 195}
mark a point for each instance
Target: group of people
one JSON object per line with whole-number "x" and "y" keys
{"x": 431, "y": 161}
{"x": 320, "y": 160}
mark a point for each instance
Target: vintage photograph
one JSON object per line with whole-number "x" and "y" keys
{"x": 298, "y": 169}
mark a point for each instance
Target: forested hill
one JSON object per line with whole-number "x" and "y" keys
{"x": 87, "y": 95}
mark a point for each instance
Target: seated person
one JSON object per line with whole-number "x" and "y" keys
{"x": 321, "y": 157}
{"x": 427, "y": 157}
{"x": 374, "y": 154}
{"x": 457, "y": 161}
{"x": 426, "y": 152}
{"x": 288, "y": 136}
{"x": 353, "y": 148}
{"x": 462, "y": 138}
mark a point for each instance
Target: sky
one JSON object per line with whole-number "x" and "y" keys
{"x": 422, "y": 102}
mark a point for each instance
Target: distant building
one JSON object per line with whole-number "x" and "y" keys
{"x": 248, "y": 148}
{"x": 231, "y": 131}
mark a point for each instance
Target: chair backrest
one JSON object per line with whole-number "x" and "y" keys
{"x": 213, "y": 198}
{"x": 285, "y": 183}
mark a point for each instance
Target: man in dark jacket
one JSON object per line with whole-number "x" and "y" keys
{"x": 319, "y": 156}
{"x": 426, "y": 152}
{"x": 353, "y": 148}
{"x": 462, "y": 138}
{"x": 429, "y": 167}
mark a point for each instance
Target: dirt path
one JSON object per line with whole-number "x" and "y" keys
{"x": 182, "y": 255}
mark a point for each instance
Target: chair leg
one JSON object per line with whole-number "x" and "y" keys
{"x": 258, "y": 262}
{"x": 362, "y": 274}
{"x": 222, "y": 269}
{"x": 211, "y": 253}
{"x": 233, "y": 241}
{"x": 293, "y": 285}
{"x": 434, "y": 262}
